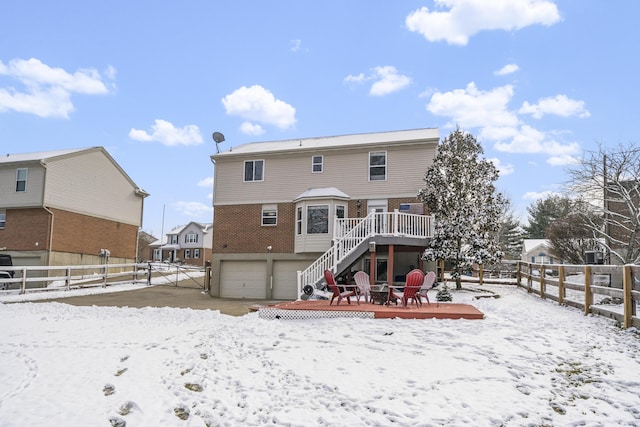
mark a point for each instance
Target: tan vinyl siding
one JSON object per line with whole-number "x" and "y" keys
{"x": 289, "y": 175}
{"x": 90, "y": 184}
{"x": 24, "y": 199}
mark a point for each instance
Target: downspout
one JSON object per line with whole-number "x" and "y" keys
{"x": 43, "y": 163}
{"x": 50, "y": 234}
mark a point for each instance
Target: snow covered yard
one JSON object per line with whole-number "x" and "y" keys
{"x": 530, "y": 362}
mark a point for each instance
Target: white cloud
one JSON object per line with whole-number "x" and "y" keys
{"x": 257, "y": 104}
{"x": 386, "y": 80}
{"x": 360, "y": 78}
{"x": 465, "y": 18}
{"x": 296, "y": 46}
{"x": 559, "y": 105}
{"x": 503, "y": 169}
{"x": 195, "y": 210}
{"x": 488, "y": 111}
{"x": 166, "y": 133}
{"x": 563, "y": 160}
{"x": 206, "y": 182}
{"x": 507, "y": 69}
{"x": 47, "y": 91}
{"x": 530, "y": 140}
{"x": 249, "y": 128}
{"x": 472, "y": 108}
{"x": 533, "y": 195}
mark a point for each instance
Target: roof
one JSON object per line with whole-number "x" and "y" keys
{"x": 40, "y": 155}
{"x": 321, "y": 193}
{"x": 49, "y": 156}
{"x": 391, "y": 137}
{"x": 530, "y": 244}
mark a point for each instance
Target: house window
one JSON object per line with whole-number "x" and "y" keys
{"x": 173, "y": 239}
{"x": 316, "y": 164}
{"x": 254, "y": 170}
{"x": 21, "y": 180}
{"x": 191, "y": 238}
{"x": 156, "y": 254}
{"x": 187, "y": 254}
{"x": 269, "y": 215}
{"x": 299, "y": 220}
{"x": 196, "y": 253}
{"x": 340, "y": 211}
{"x": 3, "y": 217}
{"x": 318, "y": 219}
{"x": 378, "y": 166}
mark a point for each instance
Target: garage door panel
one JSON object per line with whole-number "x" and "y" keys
{"x": 285, "y": 279}
{"x": 243, "y": 279}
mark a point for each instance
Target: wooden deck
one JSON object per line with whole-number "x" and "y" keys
{"x": 321, "y": 308}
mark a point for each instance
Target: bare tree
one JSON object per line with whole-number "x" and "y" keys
{"x": 609, "y": 180}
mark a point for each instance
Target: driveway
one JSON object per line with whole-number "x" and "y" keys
{"x": 182, "y": 296}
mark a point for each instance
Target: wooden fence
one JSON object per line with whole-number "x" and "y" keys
{"x": 607, "y": 290}
{"x": 41, "y": 278}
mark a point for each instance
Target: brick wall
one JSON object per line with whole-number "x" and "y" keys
{"x": 26, "y": 230}
{"x": 78, "y": 233}
{"x": 238, "y": 229}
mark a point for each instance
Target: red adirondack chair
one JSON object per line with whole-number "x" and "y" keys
{"x": 411, "y": 287}
{"x": 331, "y": 282}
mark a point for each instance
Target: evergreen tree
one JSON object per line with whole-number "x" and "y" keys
{"x": 544, "y": 212}
{"x": 461, "y": 195}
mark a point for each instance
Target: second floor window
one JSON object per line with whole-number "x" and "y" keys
{"x": 254, "y": 170}
{"x": 378, "y": 166}
{"x": 191, "y": 238}
{"x": 173, "y": 239}
{"x": 21, "y": 180}
{"x": 316, "y": 164}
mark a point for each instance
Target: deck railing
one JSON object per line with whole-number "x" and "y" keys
{"x": 350, "y": 233}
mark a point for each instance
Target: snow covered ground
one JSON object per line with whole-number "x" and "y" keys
{"x": 530, "y": 362}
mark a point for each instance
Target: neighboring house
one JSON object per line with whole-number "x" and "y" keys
{"x": 145, "y": 240}
{"x": 188, "y": 244}
{"x": 62, "y": 207}
{"x": 276, "y": 204}
{"x": 537, "y": 251}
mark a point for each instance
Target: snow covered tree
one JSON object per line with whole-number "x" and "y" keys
{"x": 609, "y": 180}
{"x": 510, "y": 235}
{"x": 461, "y": 195}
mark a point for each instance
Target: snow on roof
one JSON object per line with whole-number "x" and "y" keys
{"x": 333, "y": 141}
{"x": 531, "y": 244}
{"x": 317, "y": 193}
{"x": 39, "y": 155}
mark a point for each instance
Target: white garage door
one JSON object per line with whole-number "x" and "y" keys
{"x": 243, "y": 279}
{"x": 285, "y": 286}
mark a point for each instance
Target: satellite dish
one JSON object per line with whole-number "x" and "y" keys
{"x": 218, "y": 138}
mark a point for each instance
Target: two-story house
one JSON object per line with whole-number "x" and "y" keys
{"x": 62, "y": 207}
{"x": 280, "y": 205}
{"x": 188, "y": 244}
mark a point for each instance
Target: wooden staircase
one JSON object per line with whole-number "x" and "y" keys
{"x": 352, "y": 237}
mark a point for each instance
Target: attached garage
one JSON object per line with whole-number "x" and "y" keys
{"x": 285, "y": 279}
{"x": 243, "y": 279}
